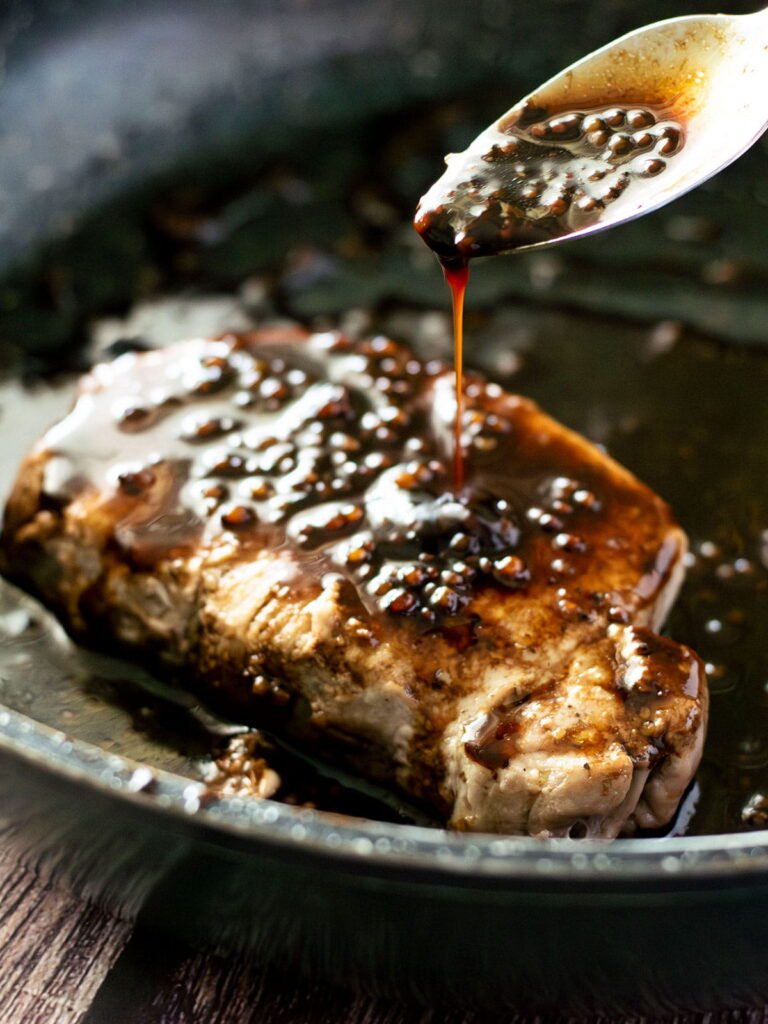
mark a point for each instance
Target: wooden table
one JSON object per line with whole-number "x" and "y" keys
{"x": 63, "y": 961}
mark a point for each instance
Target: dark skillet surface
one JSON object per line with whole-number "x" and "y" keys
{"x": 245, "y": 864}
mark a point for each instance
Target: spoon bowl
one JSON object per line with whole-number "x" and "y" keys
{"x": 704, "y": 77}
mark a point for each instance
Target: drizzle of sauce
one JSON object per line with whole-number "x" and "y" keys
{"x": 539, "y": 176}
{"x": 457, "y": 278}
{"x": 337, "y": 451}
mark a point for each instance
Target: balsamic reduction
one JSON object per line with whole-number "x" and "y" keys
{"x": 457, "y": 278}
{"x": 536, "y": 178}
{"x": 338, "y": 450}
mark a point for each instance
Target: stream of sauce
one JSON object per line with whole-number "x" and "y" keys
{"x": 538, "y": 176}
{"x": 457, "y": 278}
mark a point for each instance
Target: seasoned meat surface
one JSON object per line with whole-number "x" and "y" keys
{"x": 273, "y": 515}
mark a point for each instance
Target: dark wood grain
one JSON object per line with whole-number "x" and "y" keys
{"x": 64, "y": 961}
{"x": 54, "y": 950}
{"x": 201, "y": 988}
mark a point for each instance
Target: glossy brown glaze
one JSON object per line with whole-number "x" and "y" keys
{"x": 342, "y": 451}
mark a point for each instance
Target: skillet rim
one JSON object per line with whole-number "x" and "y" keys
{"x": 380, "y": 847}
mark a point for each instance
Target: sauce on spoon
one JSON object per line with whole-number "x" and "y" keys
{"x": 537, "y": 177}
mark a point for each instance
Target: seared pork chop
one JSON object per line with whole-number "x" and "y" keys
{"x": 272, "y": 515}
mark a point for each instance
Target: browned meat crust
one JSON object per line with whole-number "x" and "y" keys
{"x": 272, "y": 513}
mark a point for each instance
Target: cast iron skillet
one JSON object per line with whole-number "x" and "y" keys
{"x": 99, "y": 97}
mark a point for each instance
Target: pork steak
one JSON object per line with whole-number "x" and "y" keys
{"x": 271, "y": 515}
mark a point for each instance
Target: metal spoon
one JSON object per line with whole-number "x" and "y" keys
{"x": 708, "y": 74}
